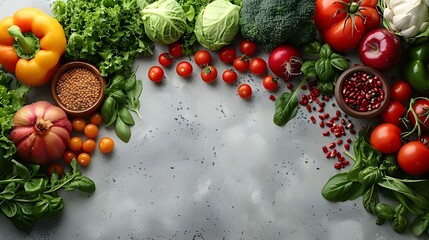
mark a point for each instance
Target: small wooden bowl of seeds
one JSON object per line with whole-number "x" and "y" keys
{"x": 78, "y": 88}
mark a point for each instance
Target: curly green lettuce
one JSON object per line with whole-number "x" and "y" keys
{"x": 107, "y": 33}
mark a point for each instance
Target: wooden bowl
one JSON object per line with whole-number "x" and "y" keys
{"x": 78, "y": 65}
{"x": 342, "y": 96}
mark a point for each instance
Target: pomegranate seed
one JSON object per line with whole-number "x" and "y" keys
{"x": 322, "y": 124}
{"x": 320, "y": 109}
{"x": 349, "y": 140}
{"x": 339, "y": 156}
{"x": 337, "y": 165}
{"x": 325, "y": 149}
{"x": 332, "y": 145}
{"x": 321, "y": 117}
{"x": 290, "y": 86}
{"x": 304, "y": 87}
{"x": 321, "y": 104}
{"x": 325, "y": 98}
{"x": 347, "y": 146}
{"x": 333, "y": 153}
{"x": 325, "y": 133}
{"x": 326, "y": 115}
{"x": 345, "y": 162}
{"x": 313, "y": 119}
{"x": 352, "y": 131}
{"x": 272, "y": 98}
{"x": 308, "y": 108}
{"x": 328, "y": 155}
{"x": 340, "y": 141}
{"x": 338, "y": 113}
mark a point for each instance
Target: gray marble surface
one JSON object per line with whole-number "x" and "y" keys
{"x": 205, "y": 164}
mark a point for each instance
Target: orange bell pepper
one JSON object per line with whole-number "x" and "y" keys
{"x": 31, "y": 45}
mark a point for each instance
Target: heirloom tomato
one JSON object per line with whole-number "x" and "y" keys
{"x": 343, "y": 23}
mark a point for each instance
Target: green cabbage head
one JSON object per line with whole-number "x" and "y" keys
{"x": 217, "y": 24}
{"x": 164, "y": 21}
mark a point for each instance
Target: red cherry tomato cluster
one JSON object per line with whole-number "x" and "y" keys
{"x": 403, "y": 116}
{"x": 245, "y": 61}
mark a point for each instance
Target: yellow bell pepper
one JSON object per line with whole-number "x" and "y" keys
{"x": 31, "y": 45}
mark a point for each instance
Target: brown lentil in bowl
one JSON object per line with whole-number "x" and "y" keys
{"x": 78, "y": 88}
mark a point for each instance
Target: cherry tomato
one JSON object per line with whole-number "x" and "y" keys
{"x": 91, "y": 130}
{"x": 88, "y": 145}
{"x": 393, "y": 113}
{"x": 175, "y": 49}
{"x": 241, "y": 64}
{"x": 55, "y": 168}
{"x": 386, "y": 138}
{"x": 258, "y": 66}
{"x": 68, "y": 156}
{"x": 227, "y": 54}
{"x": 208, "y": 74}
{"x": 78, "y": 123}
{"x": 400, "y": 91}
{"x": 229, "y": 76}
{"x": 270, "y": 83}
{"x": 421, "y": 108}
{"x": 106, "y": 145}
{"x": 413, "y": 158}
{"x": 244, "y": 91}
{"x": 203, "y": 58}
{"x": 75, "y": 144}
{"x": 247, "y": 47}
{"x": 156, "y": 74}
{"x": 84, "y": 159}
{"x": 184, "y": 69}
{"x": 165, "y": 59}
{"x": 96, "y": 118}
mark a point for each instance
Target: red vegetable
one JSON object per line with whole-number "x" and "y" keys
{"x": 343, "y": 23}
{"x": 285, "y": 62}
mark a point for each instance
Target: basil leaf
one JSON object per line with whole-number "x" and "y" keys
{"x": 117, "y": 82}
{"x": 420, "y": 224}
{"x": 400, "y": 187}
{"x": 9, "y": 208}
{"x": 355, "y": 170}
{"x": 370, "y": 175}
{"x": 108, "y": 109}
{"x": 286, "y": 107}
{"x": 324, "y": 70}
{"x": 130, "y": 83}
{"x": 134, "y": 94}
{"x": 119, "y": 96}
{"x": 326, "y": 87}
{"x": 40, "y": 208}
{"x": 122, "y": 130}
{"x": 339, "y": 62}
{"x": 416, "y": 210}
{"x": 339, "y": 189}
{"x": 312, "y": 48}
{"x": 369, "y": 155}
{"x": 384, "y": 211}
{"x": 370, "y": 199}
{"x": 390, "y": 163}
{"x": 21, "y": 171}
{"x": 308, "y": 68}
{"x": 325, "y": 51}
{"x": 35, "y": 186}
{"x": 125, "y": 115}
{"x": 399, "y": 224}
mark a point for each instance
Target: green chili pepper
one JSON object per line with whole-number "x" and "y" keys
{"x": 416, "y": 68}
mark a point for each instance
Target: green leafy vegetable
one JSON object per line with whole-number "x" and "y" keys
{"x": 109, "y": 34}
{"x": 286, "y": 107}
{"x": 121, "y": 98}
{"x": 323, "y": 64}
{"x": 217, "y": 24}
{"x": 164, "y": 21}
{"x": 373, "y": 176}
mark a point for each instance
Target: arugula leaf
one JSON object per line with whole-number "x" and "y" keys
{"x": 286, "y": 106}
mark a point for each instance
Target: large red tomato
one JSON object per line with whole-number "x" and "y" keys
{"x": 421, "y": 109}
{"x": 413, "y": 158}
{"x": 386, "y": 138}
{"x": 343, "y": 23}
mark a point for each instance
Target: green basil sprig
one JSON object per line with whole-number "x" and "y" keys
{"x": 27, "y": 196}
{"x": 374, "y": 175}
{"x": 122, "y": 97}
{"x": 323, "y": 64}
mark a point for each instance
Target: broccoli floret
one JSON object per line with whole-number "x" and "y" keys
{"x": 272, "y": 22}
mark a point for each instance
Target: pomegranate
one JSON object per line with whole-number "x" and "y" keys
{"x": 41, "y": 132}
